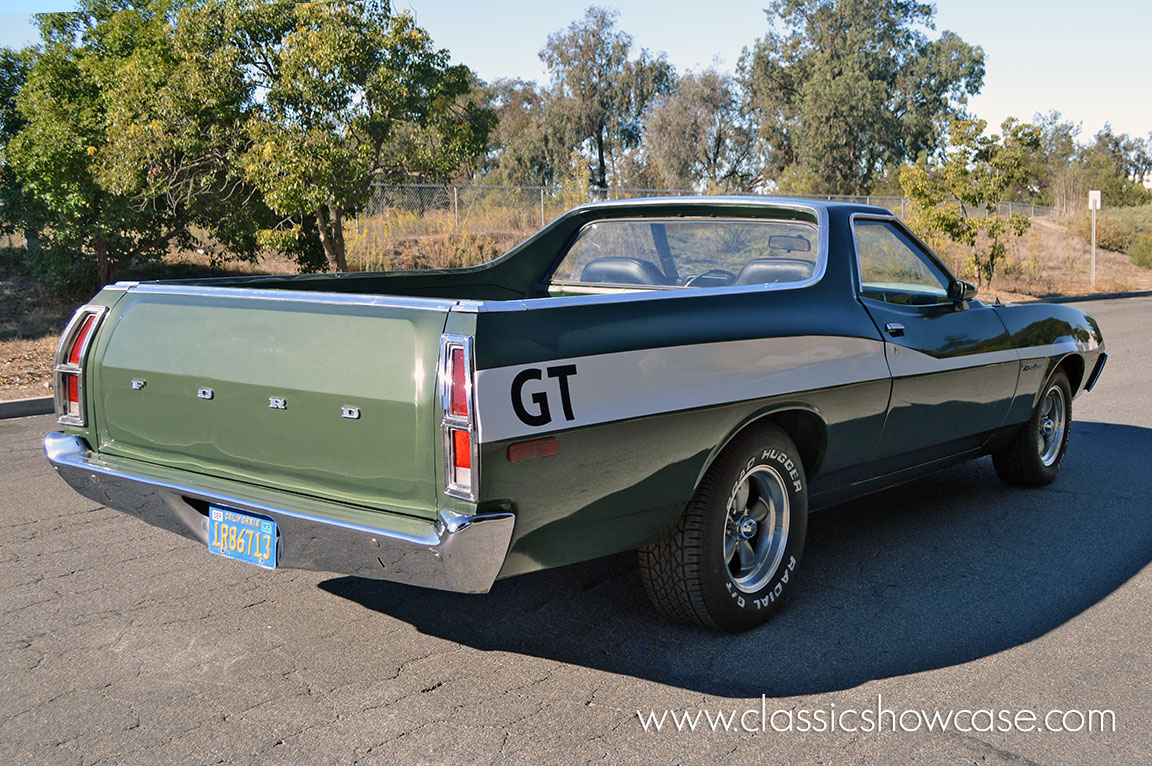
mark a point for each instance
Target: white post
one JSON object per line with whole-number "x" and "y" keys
{"x": 1094, "y": 205}
{"x": 541, "y": 206}
{"x": 456, "y": 204}
{"x": 1093, "y": 248}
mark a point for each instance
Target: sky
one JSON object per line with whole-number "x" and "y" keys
{"x": 1091, "y": 60}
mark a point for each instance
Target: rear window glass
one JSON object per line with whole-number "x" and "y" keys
{"x": 653, "y": 254}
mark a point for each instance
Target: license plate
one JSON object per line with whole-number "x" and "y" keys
{"x": 242, "y": 536}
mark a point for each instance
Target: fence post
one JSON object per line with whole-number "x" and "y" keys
{"x": 901, "y": 208}
{"x": 541, "y": 206}
{"x": 456, "y": 204}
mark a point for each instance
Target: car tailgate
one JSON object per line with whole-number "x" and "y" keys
{"x": 324, "y": 394}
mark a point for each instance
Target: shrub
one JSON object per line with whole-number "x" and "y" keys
{"x": 1116, "y": 228}
{"x": 1141, "y": 251}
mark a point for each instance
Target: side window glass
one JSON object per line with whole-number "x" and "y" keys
{"x": 894, "y": 269}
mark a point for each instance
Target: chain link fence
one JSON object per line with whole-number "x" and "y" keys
{"x": 541, "y": 204}
{"x": 441, "y": 226}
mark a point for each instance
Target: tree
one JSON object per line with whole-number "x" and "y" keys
{"x": 599, "y": 93}
{"x": 1116, "y": 164}
{"x": 527, "y": 146}
{"x": 697, "y": 136}
{"x": 58, "y": 152}
{"x": 843, "y": 88}
{"x": 350, "y": 95}
{"x": 959, "y": 197}
{"x": 16, "y": 210}
{"x": 124, "y": 149}
{"x": 1051, "y": 169}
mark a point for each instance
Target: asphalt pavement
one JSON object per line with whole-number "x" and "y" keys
{"x": 121, "y": 643}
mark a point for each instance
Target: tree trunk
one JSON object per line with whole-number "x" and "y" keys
{"x": 103, "y": 263}
{"x": 601, "y": 167}
{"x": 330, "y": 227}
{"x": 336, "y": 215}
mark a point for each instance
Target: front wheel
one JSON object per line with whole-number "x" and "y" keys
{"x": 1034, "y": 456}
{"x": 733, "y": 554}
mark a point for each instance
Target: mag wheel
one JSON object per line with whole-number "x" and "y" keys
{"x": 1034, "y": 456}
{"x": 731, "y": 558}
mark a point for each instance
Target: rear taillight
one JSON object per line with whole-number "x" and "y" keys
{"x": 458, "y": 418}
{"x": 69, "y": 371}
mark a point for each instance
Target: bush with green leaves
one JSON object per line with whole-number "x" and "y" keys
{"x": 1141, "y": 251}
{"x": 959, "y": 197}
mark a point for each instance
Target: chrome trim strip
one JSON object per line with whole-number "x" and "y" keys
{"x": 819, "y": 213}
{"x": 303, "y": 296}
{"x": 63, "y": 366}
{"x": 455, "y": 552}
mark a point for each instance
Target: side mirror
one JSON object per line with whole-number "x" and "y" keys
{"x": 960, "y": 291}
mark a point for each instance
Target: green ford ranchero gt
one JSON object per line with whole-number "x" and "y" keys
{"x": 687, "y": 377}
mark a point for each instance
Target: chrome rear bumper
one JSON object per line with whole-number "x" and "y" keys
{"x": 457, "y": 553}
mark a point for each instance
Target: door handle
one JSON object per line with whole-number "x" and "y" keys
{"x": 895, "y": 329}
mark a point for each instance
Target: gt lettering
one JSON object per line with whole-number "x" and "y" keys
{"x": 535, "y": 411}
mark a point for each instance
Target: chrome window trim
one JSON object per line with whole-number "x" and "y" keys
{"x": 820, "y": 215}
{"x": 450, "y": 422}
{"x": 62, "y": 367}
{"x": 928, "y": 251}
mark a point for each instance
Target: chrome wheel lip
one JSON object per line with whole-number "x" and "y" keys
{"x": 1053, "y": 425}
{"x": 765, "y": 494}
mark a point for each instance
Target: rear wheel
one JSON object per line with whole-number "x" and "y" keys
{"x": 1034, "y": 457}
{"x": 732, "y": 556}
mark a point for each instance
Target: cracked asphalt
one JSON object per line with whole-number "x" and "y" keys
{"x": 121, "y": 643}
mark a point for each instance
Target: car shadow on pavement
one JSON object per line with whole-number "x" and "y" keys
{"x": 935, "y": 573}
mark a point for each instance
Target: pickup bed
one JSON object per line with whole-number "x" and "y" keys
{"x": 687, "y": 377}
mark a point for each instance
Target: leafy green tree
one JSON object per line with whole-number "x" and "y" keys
{"x": 351, "y": 94}
{"x": 1116, "y": 164}
{"x": 697, "y": 136}
{"x": 16, "y": 210}
{"x": 1051, "y": 168}
{"x": 1062, "y": 171}
{"x": 843, "y": 88}
{"x": 958, "y": 198}
{"x": 599, "y": 93}
{"x": 527, "y": 146}
{"x": 126, "y": 147}
{"x": 58, "y": 152}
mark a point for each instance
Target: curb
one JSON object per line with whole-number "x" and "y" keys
{"x": 22, "y": 408}
{"x": 1094, "y": 297}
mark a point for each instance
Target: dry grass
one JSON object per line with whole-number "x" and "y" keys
{"x": 1052, "y": 260}
{"x": 400, "y": 240}
{"x": 1048, "y": 260}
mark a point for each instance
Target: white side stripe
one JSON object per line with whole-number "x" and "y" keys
{"x": 629, "y": 384}
{"x": 581, "y": 391}
{"x": 911, "y": 362}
